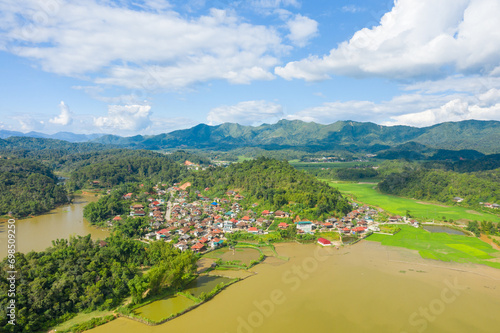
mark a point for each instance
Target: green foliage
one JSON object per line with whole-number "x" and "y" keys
{"x": 28, "y": 187}
{"x": 443, "y": 186}
{"x": 118, "y": 167}
{"x": 275, "y": 183}
{"x": 440, "y": 246}
{"x": 105, "y": 208}
{"x": 80, "y": 274}
{"x": 94, "y": 322}
{"x": 474, "y": 227}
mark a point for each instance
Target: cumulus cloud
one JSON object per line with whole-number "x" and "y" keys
{"x": 139, "y": 48}
{"x": 484, "y": 106}
{"x": 64, "y": 118}
{"x": 417, "y": 109}
{"x": 246, "y": 113}
{"x": 416, "y": 39}
{"x": 130, "y": 118}
{"x": 302, "y": 29}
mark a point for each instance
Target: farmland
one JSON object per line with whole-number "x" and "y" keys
{"x": 441, "y": 246}
{"x": 367, "y": 193}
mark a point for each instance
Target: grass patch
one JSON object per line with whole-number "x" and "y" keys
{"x": 440, "y": 246}
{"x": 366, "y": 193}
{"x": 80, "y": 318}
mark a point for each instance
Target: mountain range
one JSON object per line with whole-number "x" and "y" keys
{"x": 66, "y": 136}
{"x": 481, "y": 136}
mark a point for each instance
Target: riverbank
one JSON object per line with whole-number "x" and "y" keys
{"x": 37, "y": 233}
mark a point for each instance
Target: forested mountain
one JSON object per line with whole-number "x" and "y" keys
{"x": 483, "y": 136}
{"x": 28, "y": 187}
{"x": 66, "y": 136}
{"x": 275, "y": 183}
{"x": 443, "y": 186}
{"x": 116, "y": 167}
{"x": 45, "y": 149}
{"x": 417, "y": 151}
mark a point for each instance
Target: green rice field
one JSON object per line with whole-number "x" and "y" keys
{"x": 367, "y": 194}
{"x": 441, "y": 246}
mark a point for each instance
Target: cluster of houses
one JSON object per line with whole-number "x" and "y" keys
{"x": 490, "y": 205}
{"x": 202, "y": 224}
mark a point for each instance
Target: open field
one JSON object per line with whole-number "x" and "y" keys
{"x": 241, "y": 255}
{"x": 81, "y": 318}
{"x": 366, "y": 193}
{"x": 441, "y": 246}
{"x": 331, "y": 165}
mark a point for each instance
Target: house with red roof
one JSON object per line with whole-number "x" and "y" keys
{"x": 324, "y": 242}
{"x": 283, "y": 225}
{"x": 253, "y": 230}
{"x": 197, "y": 247}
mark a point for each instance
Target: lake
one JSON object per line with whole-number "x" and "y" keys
{"x": 37, "y": 233}
{"x": 366, "y": 287}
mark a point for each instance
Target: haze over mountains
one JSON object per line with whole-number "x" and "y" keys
{"x": 482, "y": 136}
{"x": 66, "y": 136}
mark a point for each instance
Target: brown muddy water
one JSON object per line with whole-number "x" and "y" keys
{"x": 37, "y": 233}
{"x": 366, "y": 287}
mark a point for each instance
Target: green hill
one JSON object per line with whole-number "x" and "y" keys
{"x": 482, "y": 136}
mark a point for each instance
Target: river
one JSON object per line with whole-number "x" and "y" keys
{"x": 366, "y": 287}
{"x": 37, "y": 233}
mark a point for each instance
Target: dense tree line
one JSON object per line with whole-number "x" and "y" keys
{"x": 276, "y": 183}
{"x": 112, "y": 169}
{"x": 81, "y": 274}
{"x": 443, "y": 186}
{"x": 49, "y": 150}
{"x": 181, "y": 156}
{"x": 28, "y": 187}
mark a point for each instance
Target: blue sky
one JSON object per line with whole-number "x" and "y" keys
{"x": 153, "y": 66}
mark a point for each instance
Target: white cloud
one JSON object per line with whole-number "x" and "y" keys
{"x": 417, "y": 109}
{"x": 114, "y": 45}
{"x": 246, "y": 113}
{"x": 352, "y": 9}
{"x": 64, "y": 118}
{"x": 455, "y": 110}
{"x": 416, "y": 39}
{"x": 302, "y": 29}
{"x": 275, "y": 3}
{"x": 129, "y": 118}
{"x": 27, "y": 122}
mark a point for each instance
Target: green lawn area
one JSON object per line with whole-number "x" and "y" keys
{"x": 441, "y": 246}
{"x": 366, "y": 193}
{"x": 81, "y": 318}
{"x": 243, "y": 158}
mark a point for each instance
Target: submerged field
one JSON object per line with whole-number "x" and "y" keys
{"x": 366, "y": 193}
{"x": 442, "y": 246}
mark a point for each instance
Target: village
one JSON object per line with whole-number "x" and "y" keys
{"x": 204, "y": 223}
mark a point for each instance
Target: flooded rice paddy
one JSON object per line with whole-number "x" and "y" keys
{"x": 438, "y": 228}
{"x": 165, "y": 308}
{"x": 204, "y": 284}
